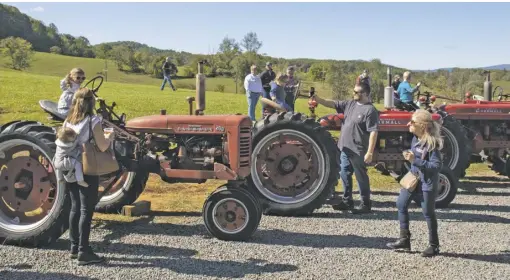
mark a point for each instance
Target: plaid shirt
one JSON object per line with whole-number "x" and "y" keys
{"x": 290, "y": 87}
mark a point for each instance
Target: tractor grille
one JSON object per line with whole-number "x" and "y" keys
{"x": 244, "y": 146}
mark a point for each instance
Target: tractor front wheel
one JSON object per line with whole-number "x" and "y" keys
{"x": 231, "y": 213}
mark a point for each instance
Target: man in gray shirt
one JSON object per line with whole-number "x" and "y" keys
{"x": 356, "y": 143}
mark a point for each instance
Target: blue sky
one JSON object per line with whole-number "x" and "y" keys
{"x": 411, "y": 35}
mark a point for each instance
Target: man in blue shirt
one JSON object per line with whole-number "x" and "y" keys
{"x": 405, "y": 91}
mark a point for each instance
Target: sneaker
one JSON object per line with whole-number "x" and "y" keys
{"x": 343, "y": 204}
{"x": 74, "y": 253}
{"x": 430, "y": 251}
{"x": 362, "y": 208}
{"x": 85, "y": 258}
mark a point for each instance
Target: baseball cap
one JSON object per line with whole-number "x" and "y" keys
{"x": 269, "y": 63}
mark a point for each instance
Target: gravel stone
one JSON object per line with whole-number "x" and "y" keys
{"x": 473, "y": 234}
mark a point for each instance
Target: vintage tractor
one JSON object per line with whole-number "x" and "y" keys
{"x": 486, "y": 123}
{"x": 296, "y": 160}
{"x": 394, "y": 137}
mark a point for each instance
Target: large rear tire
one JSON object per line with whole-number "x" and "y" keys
{"x": 127, "y": 187}
{"x": 456, "y": 153}
{"x": 295, "y": 164}
{"x": 34, "y": 205}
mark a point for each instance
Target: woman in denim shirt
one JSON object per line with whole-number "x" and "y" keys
{"x": 427, "y": 140}
{"x": 277, "y": 93}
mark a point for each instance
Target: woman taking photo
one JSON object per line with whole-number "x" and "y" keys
{"x": 83, "y": 121}
{"x": 426, "y": 163}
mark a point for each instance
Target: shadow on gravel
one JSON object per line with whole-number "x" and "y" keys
{"x": 15, "y": 275}
{"x": 479, "y": 207}
{"x": 107, "y": 246}
{"x": 442, "y": 214}
{"x": 279, "y": 237}
{"x": 503, "y": 258}
{"x": 488, "y": 178}
{"x": 193, "y": 266}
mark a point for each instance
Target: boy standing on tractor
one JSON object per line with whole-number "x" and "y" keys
{"x": 356, "y": 143}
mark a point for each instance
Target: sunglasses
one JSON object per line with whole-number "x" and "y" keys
{"x": 81, "y": 78}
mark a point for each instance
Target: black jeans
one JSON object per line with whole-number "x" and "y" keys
{"x": 83, "y": 203}
{"x": 428, "y": 205}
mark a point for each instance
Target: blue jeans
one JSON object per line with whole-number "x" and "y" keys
{"x": 165, "y": 79}
{"x": 428, "y": 205}
{"x": 253, "y": 98}
{"x": 352, "y": 163}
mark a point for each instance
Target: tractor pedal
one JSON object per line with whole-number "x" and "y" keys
{"x": 381, "y": 167}
{"x": 394, "y": 175}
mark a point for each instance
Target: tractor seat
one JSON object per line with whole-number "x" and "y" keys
{"x": 50, "y": 107}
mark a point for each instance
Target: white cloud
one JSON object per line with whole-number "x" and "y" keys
{"x": 37, "y": 9}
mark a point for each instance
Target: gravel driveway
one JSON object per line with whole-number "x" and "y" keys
{"x": 474, "y": 234}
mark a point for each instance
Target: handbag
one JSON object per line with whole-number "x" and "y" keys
{"x": 410, "y": 180}
{"x": 96, "y": 162}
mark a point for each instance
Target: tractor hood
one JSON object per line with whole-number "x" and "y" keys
{"x": 215, "y": 124}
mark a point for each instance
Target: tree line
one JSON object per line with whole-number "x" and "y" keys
{"x": 21, "y": 35}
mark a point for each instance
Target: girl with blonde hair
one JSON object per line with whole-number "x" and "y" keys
{"x": 87, "y": 125}
{"x": 69, "y": 85}
{"x": 277, "y": 93}
{"x": 426, "y": 162}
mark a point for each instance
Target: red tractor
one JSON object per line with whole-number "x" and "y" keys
{"x": 284, "y": 164}
{"x": 486, "y": 122}
{"x": 394, "y": 137}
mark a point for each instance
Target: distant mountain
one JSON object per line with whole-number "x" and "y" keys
{"x": 498, "y": 67}
{"x": 493, "y": 67}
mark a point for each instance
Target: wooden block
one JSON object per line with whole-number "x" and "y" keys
{"x": 138, "y": 208}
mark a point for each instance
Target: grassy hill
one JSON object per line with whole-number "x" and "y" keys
{"x": 21, "y": 92}
{"x": 59, "y": 65}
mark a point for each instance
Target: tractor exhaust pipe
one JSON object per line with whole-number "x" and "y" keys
{"x": 200, "y": 88}
{"x": 487, "y": 87}
{"x": 389, "y": 101}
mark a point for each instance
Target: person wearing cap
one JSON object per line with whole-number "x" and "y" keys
{"x": 253, "y": 87}
{"x": 267, "y": 76}
{"x": 290, "y": 87}
{"x": 168, "y": 67}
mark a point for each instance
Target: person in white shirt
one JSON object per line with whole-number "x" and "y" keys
{"x": 253, "y": 86}
{"x": 69, "y": 85}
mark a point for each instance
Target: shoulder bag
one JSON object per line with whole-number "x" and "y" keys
{"x": 96, "y": 162}
{"x": 410, "y": 180}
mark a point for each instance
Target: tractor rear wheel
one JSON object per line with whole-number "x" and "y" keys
{"x": 447, "y": 188}
{"x": 127, "y": 186}
{"x": 34, "y": 204}
{"x": 295, "y": 164}
{"x": 456, "y": 153}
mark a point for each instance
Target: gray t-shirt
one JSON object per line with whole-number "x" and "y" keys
{"x": 359, "y": 121}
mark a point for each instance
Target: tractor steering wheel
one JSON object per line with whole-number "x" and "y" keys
{"x": 93, "y": 80}
{"x": 500, "y": 93}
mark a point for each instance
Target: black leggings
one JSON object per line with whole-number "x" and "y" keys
{"x": 83, "y": 202}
